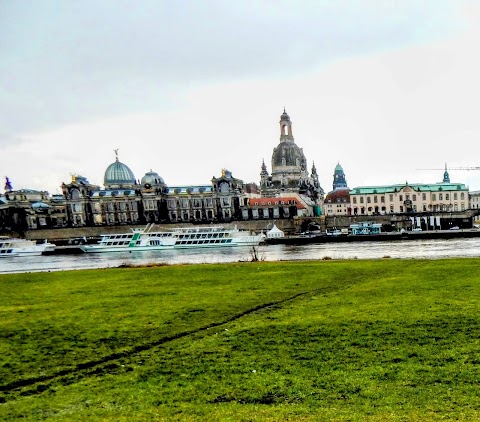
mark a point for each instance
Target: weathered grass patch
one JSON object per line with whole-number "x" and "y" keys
{"x": 357, "y": 340}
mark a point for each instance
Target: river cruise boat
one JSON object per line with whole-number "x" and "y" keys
{"x": 10, "y": 247}
{"x": 179, "y": 238}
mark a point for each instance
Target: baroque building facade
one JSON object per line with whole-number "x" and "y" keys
{"x": 289, "y": 174}
{"x": 127, "y": 201}
{"x": 408, "y": 198}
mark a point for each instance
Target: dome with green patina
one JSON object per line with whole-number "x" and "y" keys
{"x": 118, "y": 174}
{"x": 152, "y": 178}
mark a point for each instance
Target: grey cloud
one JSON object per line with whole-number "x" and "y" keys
{"x": 63, "y": 61}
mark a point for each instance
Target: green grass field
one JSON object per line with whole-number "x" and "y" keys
{"x": 384, "y": 340}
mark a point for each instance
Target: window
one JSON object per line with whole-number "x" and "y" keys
{"x": 391, "y": 198}
{"x": 440, "y": 196}
{"x": 375, "y": 199}
{"x": 401, "y": 198}
{"x": 354, "y": 199}
{"x": 462, "y": 196}
{"x": 414, "y": 197}
{"x": 447, "y": 197}
{"x": 401, "y": 208}
{"x": 434, "y": 197}
{"x": 424, "y": 196}
{"x": 455, "y": 196}
{"x": 361, "y": 200}
{"x": 382, "y": 199}
{"x": 369, "y": 199}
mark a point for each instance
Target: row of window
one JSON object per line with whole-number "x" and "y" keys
{"x": 196, "y": 203}
{"x": 203, "y": 242}
{"x": 196, "y": 215}
{"x": 277, "y": 203}
{"x": 383, "y": 210}
{"x": 407, "y": 197}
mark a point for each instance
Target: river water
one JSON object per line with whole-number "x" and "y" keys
{"x": 404, "y": 249}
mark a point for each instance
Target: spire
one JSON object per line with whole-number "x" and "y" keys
{"x": 116, "y": 154}
{"x": 446, "y": 176}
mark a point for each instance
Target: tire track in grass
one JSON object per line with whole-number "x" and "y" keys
{"x": 30, "y": 386}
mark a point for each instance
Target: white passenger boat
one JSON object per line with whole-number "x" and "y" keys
{"x": 22, "y": 247}
{"x": 191, "y": 237}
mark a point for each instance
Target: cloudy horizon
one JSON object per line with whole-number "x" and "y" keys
{"x": 188, "y": 88}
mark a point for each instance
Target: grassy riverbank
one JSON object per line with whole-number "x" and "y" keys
{"x": 332, "y": 340}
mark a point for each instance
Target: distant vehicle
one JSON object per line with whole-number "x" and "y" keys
{"x": 417, "y": 229}
{"x": 455, "y": 228}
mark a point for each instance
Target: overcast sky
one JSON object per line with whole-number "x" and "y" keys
{"x": 187, "y": 88}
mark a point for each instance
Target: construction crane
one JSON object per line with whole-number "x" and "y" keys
{"x": 455, "y": 168}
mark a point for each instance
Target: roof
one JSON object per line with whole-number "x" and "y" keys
{"x": 28, "y": 191}
{"x": 188, "y": 190}
{"x": 37, "y": 205}
{"x": 113, "y": 193}
{"x": 419, "y": 187}
{"x": 282, "y": 201}
{"x": 338, "y": 196}
{"x": 152, "y": 178}
{"x": 118, "y": 173}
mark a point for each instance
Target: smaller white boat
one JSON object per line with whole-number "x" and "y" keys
{"x": 10, "y": 247}
{"x": 179, "y": 238}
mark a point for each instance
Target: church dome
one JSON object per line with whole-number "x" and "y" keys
{"x": 152, "y": 178}
{"x": 288, "y": 154}
{"x": 118, "y": 173}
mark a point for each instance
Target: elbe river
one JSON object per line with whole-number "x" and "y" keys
{"x": 396, "y": 249}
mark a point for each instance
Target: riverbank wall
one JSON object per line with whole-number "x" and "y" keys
{"x": 288, "y": 226}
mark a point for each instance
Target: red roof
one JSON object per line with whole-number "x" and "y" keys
{"x": 339, "y": 196}
{"x": 282, "y": 202}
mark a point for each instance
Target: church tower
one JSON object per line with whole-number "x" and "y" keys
{"x": 289, "y": 165}
{"x": 339, "y": 181}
